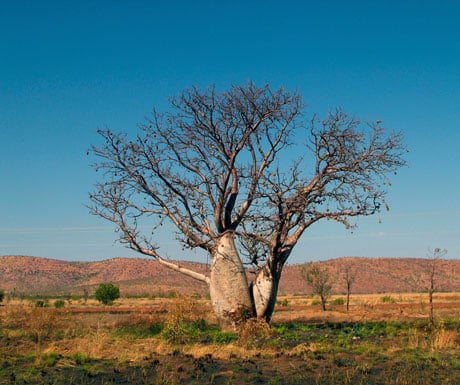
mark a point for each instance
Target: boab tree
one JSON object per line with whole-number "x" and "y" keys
{"x": 211, "y": 166}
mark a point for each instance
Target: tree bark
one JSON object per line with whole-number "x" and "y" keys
{"x": 348, "y": 298}
{"x": 323, "y": 302}
{"x": 228, "y": 286}
{"x": 264, "y": 292}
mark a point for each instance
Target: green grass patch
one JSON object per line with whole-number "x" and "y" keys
{"x": 49, "y": 359}
{"x": 199, "y": 331}
{"x": 58, "y": 304}
{"x": 337, "y": 302}
{"x": 138, "y": 331}
{"x": 388, "y": 299}
{"x": 80, "y": 358}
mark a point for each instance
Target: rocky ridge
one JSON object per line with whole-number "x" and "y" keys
{"x": 35, "y": 275}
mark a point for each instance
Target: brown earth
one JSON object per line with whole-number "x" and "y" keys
{"x": 34, "y": 275}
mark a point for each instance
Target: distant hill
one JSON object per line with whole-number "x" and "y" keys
{"x": 33, "y": 275}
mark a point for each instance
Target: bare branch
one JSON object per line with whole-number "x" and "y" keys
{"x": 352, "y": 163}
{"x": 198, "y": 166}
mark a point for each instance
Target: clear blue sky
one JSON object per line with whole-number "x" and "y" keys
{"x": 69, "y": 68}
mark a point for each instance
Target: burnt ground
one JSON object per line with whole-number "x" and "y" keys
{"x": 320, "y": 368}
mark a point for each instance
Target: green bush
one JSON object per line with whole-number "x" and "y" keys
{"x": 338, "y": 301}
{"x": 107, "y": 293}
{"x": 59, "y": 304}
{"x": 388, "y": 299}
{"x": 41, "y": 303}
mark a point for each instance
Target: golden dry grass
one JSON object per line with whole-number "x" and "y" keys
{"x": 446, "y": 339}
{"x": 67, "y": 332}
{"x": 309, "y": 345}
{"x": 368, "y": 307}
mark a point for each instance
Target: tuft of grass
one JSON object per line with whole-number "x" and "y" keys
{"x": 41, "y": 303}
{"x": 49, "y": 359}
{"x": 284, "y": 302}
{"x": 80, "y": 358}
{"x": 337, "y": 302}
{"x": 388, "y": 299}
{"x": 180, "y": 331}
{"x": 254, "y": 333}
{"x": 445, "y": 339}
{"x": 59, "y": 304}
{"x": 138, "y": 331}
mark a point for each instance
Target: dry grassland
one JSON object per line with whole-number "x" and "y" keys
{"x": 382, "y": 339}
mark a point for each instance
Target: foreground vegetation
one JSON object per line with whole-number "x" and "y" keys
{"x": 374, "y": 343}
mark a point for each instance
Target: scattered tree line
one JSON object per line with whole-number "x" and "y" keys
{"x": 319, "y": 278}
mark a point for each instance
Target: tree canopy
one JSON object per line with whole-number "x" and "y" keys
{"x": 107, "y": 293}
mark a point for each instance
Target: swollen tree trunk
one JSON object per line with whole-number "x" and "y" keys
{"x": 264, "y": 292}
{"x": 228, "y": 285}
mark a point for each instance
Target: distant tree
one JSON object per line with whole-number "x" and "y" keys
{"x": 85, "y": 295}
{"x": 349, "y": 276}
{"x": 433, "y": 259}
{"x": 107, "y": 293}
{"x": 319, "y": 279}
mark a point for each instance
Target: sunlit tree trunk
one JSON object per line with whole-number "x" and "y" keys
{"x": 228, "y": 285}
{"x": 264, "y": 292}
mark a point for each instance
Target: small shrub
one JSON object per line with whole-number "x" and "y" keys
{"x": 138, "y": 330}
{"x": 106, "y": 293}
{"x": 59, "y": 304}
{"x": 41, "y": 303}
{"x": 338, "y": 301}
{"x": 2, "y": 295}
{"x": 181, "y": 331}
{"x": 80, "y": 358}
{"x": 184, "y": 321}
{"x": 315, "y": 302}
{"x": 283, "y": 302}
{"x": 388, "y": 299}
{"x": 155, "y": 328}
